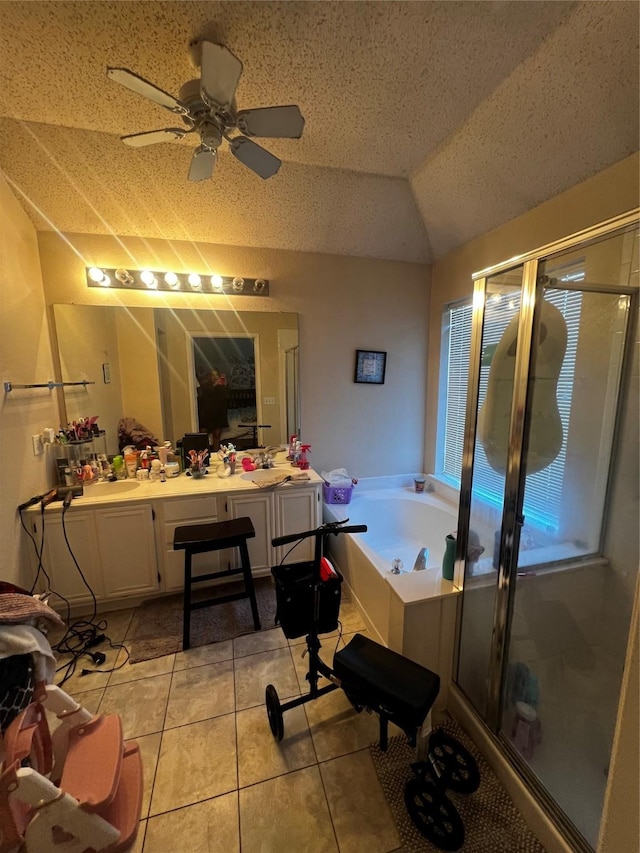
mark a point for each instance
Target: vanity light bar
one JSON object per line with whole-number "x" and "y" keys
{"x": 176, "y": 282}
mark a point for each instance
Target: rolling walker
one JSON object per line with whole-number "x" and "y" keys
{"x": 373, "y": 678}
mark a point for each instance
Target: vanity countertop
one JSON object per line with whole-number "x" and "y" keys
{"x": 136, "y": 491}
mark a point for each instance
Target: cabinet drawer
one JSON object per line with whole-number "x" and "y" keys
{"x": 204, "y": 507}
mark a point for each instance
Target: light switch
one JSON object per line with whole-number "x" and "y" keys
{"x": 269, "y": 401}
{"x": 38, "y": 444}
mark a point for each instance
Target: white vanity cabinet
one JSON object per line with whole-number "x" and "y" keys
{"x": 177, "y": 512}
{"x": 258, "y": 506}
{"x": 296, "y": 511}
{"x": 114, "y": 549}
{"x": 291, "y": 509}
{"x": 127, "y": 550}
{"x": 124, "y": 544}
{"x": 57, "y": 559}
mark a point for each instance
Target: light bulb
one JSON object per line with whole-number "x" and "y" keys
{"x": 96, "y": 274}
{"x": 194, "y": 280}
{"x": 148, "y": 278}
{"x": 216, "y": 282}
{"x": 124, "y": 277}
{"x": 259, "y": 285}
{"x": 172, "y": 279}
{"x": 106, "y": 281}
{"x": 238, "y": 284}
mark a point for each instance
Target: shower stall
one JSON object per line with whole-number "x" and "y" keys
{"x": 550, "y": 490}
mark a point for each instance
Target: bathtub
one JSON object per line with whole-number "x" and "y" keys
{"x": 412, "y": 613}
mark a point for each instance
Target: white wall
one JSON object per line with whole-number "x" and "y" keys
{"x": 25, "y": 357}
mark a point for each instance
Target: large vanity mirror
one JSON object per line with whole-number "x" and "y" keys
{"x": 144, "y": 363}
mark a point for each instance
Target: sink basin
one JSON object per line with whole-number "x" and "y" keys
{"x": 104, "y": 489}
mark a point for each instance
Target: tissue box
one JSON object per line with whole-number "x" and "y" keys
{"x": 337, "y": 494}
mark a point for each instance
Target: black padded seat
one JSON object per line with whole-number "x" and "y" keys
{"x": 215, "y": 536}
{"x": 402, "y": 689}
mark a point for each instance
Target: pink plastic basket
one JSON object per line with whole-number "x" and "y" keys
{"x": 337, "y": 495}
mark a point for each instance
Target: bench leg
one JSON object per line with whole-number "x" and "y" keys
{"x": 186, "y": 618}
{"x": 248, "y": 582}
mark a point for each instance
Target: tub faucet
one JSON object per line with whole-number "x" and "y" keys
{"x": 421, "y": 560}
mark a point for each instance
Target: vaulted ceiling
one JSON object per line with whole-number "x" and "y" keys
{"x": 427, "y": 123}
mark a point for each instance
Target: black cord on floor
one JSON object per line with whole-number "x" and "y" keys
{"x": 84, "y": 635}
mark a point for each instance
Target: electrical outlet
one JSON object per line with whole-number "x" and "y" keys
{"x": 38, "y": 444}
{"x": 269, "y": 401}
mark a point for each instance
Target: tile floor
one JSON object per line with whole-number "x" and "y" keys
{"x": 215, "y": 781}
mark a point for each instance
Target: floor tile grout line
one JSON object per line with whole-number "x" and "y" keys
{"x": 326, "y": 799}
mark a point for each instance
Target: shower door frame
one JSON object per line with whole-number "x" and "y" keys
{"x": 532, "y": 294}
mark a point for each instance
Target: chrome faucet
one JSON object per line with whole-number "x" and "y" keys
{"x": 421, "y": 560}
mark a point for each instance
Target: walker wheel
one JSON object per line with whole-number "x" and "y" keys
{"x": 456, "y": 764}
{"x": 274, "y": 712}
{"x": 434, "y": 815}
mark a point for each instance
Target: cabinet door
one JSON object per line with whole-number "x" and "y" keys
{"x": 59, "y": 562}
{"x": 201, "y": 564}
{"x": 180, "y": 512}
{"x": 127, "y": 550}
{"x": 297, "y": 510}
{"x": 259, "y": 508}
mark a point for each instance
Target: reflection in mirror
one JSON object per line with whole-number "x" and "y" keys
{"x": 144, "y": 364}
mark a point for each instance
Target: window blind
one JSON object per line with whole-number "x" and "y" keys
{"x": 543, "y": 490}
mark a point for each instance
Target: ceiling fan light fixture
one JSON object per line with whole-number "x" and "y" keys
{"x": 208, "y": 108}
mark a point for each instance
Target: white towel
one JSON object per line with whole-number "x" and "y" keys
{"x": 24, "y": 640}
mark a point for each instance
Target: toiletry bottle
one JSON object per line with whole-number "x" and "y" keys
{"x": 131, "y": 463}
{"x": 303, "y": 462}
{"x": 118, "y": 468}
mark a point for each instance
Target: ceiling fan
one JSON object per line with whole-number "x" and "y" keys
{"x": 207, "y": 107}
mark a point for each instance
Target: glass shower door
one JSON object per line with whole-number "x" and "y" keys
{"x": 498, "y": 324}
{"x": 576, "y": 565}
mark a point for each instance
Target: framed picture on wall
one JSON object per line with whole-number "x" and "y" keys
{"x": 370, "y": 366}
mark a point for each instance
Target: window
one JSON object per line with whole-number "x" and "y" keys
{"x": 544, "y": 489}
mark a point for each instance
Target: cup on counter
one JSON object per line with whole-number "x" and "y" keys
{"x": 142, "y": 474}
{"x": 418, "y": 483}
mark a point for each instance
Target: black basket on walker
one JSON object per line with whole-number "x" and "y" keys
{"x": 294, "y": 599}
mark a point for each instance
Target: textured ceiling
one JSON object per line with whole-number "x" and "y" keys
{"x": 427, "y": 123}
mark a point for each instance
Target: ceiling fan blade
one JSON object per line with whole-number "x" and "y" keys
{"x": 258, "y": 159}
{"x": 142, "y": 87}
{"x": 150, "y": 137}
{"x": 283, "y": 122}
{"x": 202, "y": 163}
{"x": 220, "y": 73}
